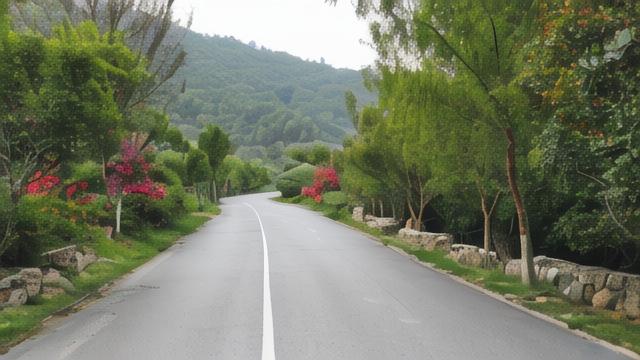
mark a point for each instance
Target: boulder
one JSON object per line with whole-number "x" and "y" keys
{"x": 427, "y": 240}
{"x": 564, "y": 281}
{"x": 470, "y": 258}
{"x": 33, "y": 280}
{"x": 13, "y": 291}
{"x": 597, "y": 278}
{"x": 62, "y": 258}
{"x": 589, "y": 292}
{"x": 606, "y": 299}
{"x": 358, "y": 214}
{"x": 18, "y": 297}
{"x": 575, "y": 291}
{"x": 513, "y": 268}
{"x": 632, "y": 300}
{"x": 552, "y": 275}
{"x": 616, "y": 281}
{"x": 82, "y": 261}
{"x": 54, "y": 279}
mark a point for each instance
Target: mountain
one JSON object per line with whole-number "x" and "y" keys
{"x": 262, "y": 97}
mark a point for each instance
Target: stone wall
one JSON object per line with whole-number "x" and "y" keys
{"x": 427, "y": 240}
{"x": 600, "y": 287}
{"x": 474, "y": 256}
{"x": 384, "y": 224}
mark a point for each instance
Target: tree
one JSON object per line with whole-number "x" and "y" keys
{"x": 130, "y": 175}
{"x": 585, "y": 81}
{"x": 173, "y": 136}
{"x": 215, "y": 143}
{"x": 475, "y": 39}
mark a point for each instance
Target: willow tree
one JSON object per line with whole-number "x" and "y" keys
{"x": 475, "y": 38}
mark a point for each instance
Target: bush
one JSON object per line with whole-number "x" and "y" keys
{"x": 335, "y": 198}
{"x": 140, "y": 210}
{"x": 290, "y": 183}
{"x": 44, "y": 223}
{"x": 88, "y": 171}
{"x": 165, "y": 175}
{"x": 175, "y": 161}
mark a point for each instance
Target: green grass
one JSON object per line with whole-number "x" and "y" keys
{"x": 606, "y": 325}
{"x": 127, "y": 252}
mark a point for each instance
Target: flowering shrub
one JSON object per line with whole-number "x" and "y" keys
{"x": 41, "y": 185}
{"x": 325, "y": 178}
{"x": 130, "y": 175}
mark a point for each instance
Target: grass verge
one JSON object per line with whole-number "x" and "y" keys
{"x": 543, "y": 297}
{"x": 128, "y": 252}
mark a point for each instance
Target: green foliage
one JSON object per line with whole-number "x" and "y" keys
{"x": 88, "y": 171}
{"x": 215, "y": 143}
{"x": 241, "y": 177}
{"x": 316, "y": 154}
{"x": 335, "y": 198}
{"x": 174, "y": 161}
{"x": 173, "y": 136}
{"x": 197, "y": 167}
{"x": 290, "y": 183}
{"x": 140, "y": 211}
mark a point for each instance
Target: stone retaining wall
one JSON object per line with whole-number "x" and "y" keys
{"x": 474, "y": 256}
{"x": 427, "y": 240}
{"x": 600, "y": 287}
{"x": 384, "y": 224}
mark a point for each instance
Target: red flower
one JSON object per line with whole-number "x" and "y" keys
{"x": 71, "y": 190}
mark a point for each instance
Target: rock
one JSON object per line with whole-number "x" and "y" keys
{"x": 51, "y": 292}
{"x": 542, "y": 274}
{"x": 369, "y": 217}
{"x": 513, "y": 268}
{"x": 83, "y": 261}
{"x": 18, "y": 297}
{"x": 597, "y": 278}
{"x": 427, "y": 240}
{"x": 409, "y": 224}
{"x": 358, "y": 214}
{"x": 33, "y": 280}
{"x": 470, "y": 258}
{"x": 589, "y": 292}
{"x": 541, "y": 299}
{"x": 62, "y": 258}
{"x": 54, "y": 279}
{"x": 564, "y": 281}
{"x": 616, "y": 281}
{"x": 605, "y": 299}
{"x": 13, "y": 282}
{"x": 632, "y": 300}
{"x": 552, "y": 275}
{"x": 510, "y": 297}
{"x": 575, "y": 291}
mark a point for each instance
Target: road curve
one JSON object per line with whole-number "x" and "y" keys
{"x": 334, "y": 294}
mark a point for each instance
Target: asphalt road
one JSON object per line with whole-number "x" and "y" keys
{"x": 334, "y": 294}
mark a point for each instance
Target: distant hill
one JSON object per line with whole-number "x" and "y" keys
{"x": 260, "y": 96}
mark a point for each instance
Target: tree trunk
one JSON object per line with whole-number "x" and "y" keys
{"x": 393, "y": 210}
{"x": 381, "y": 208}
{"x": 526, "y": 246}
{"x": 215, "y": 192}
{"x": 118, "y": 215}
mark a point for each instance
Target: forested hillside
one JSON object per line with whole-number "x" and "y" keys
{"x": 261, "y": 96}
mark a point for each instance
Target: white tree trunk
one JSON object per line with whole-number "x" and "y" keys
{"x": 118, "y": 214}
{"x": 215, "y": 192}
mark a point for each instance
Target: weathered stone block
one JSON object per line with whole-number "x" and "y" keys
{"x": 606, "y": 299}
{"x": 589, "y": 292}
{"x": 552, "y": 275}
{"x": 33, "y": 280}
{"x": 513, "y": 268}
{"x": 575, "y": 291}
{"x": 63, "y": 258}
{"x": 616, "y": 281}
{"x": 358, "y": 214}
{"x": 598, "y": 278}
{"x": 564, "y": 281}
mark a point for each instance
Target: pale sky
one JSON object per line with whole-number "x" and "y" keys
{"x": 309, "y": 29}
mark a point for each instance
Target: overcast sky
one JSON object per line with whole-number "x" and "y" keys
{"x": 309, "y": 29}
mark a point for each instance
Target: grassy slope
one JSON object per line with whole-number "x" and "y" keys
{"x": 606, "y": 325}
{"x": 128, "y": 253}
